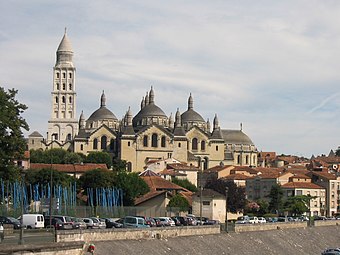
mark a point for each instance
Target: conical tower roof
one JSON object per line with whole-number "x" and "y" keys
{"x": 65, "y": 44}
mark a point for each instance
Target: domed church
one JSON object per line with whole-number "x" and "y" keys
{"x": 148, "y": 136}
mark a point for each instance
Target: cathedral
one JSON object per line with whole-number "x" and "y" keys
{"x": 148, "y": 136}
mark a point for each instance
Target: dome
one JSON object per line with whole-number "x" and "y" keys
{"x": 236, "y": 137}
{"x": 191, "y": 116}
{"x": 150, "y": 110}
{"x": 102, "y": 114}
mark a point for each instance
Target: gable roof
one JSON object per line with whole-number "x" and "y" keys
{"x": 301, "y": 185}
{"x": 157, "y": 183}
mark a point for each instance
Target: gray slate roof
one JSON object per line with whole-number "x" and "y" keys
{"x": 236, "y": 137}
{"x": 150, "y": 110}
{"x": 102, "y": 114}
{"x": 191, "y": 116}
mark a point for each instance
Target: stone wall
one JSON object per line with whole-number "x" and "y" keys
{"x": 269, "y": 226}
{"x": 134, "y": 234}
{"x": 318, "y": 223}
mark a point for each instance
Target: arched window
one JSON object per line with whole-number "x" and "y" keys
{"x": 203, "y": 145}
{"x": 179, "y": 145}
{"x": 69, "y": 137}
{"x": 112, "y": 144}
{"x": 216, "y": 147}
{"x": 57, "y": 86}
{"x": 129, "y": 166}
{"x": 154, "y": 140}
{"x": 70, "y": 75}
{"x": 63, "y": 99}
{"x": 64, "y": 75}
{"x": 247, "y": 160}
{"x": 163, "y": 141}
{"x": 81, "y": 147}
{"x": 239, "y": 159}
{"x": 70, "y": 86}
{"x": 57, "y": 75}
{"x": 194, "y": 144}
{"x": 206, "y": 163}
{"x": 70, "y": 100}
{"x": 145, "y": 141}
{"x": 56, "y": 99}
{"x": 103, "y": 142}
{"x": 64, "y": 86}
{"x": 95, "y": 143}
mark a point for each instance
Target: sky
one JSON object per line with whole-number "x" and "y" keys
{"x": 273, "y": 66}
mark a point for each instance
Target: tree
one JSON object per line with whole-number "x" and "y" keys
{"x": 180, "y": 202}
{"x": 263, "y": 206}
{"x": 118, "y": 164}
{"x": 276, "y": 199}
{"x": 132, "y": 185}
{"x": 99, "y": 157}
{"x": 43, "y": 177}
{"x": 297, "y": 205}
{"x": 185, "y": 183}
{"x": 72, "y": 158}
{"x": 12, "y": 142}
{"x": 97, "y": 178}
{"x": 236, "y": 195}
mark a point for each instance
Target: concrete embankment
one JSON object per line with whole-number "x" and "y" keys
{"x": 281, "y": 241}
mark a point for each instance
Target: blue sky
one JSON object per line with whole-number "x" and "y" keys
{"x": 272, "y": 65}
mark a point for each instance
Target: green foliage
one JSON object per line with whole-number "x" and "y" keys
{"x": 179, "y": 202}
{"x": 236, "y": 195}
{"x": 337, "y": 152}
{"x": 97, "y": 178}
{"x": 72, "y": 158}
{"x": 43, "y": 177}
{"x": 132, "y": 185}
{"x": 12, "y": 142}
{"x": 118, "y": 164}
{"x": 56, "y": 156}
{"x": 276, "y": 199}
{"x": 297, "y": 205}
{"x": 264, "y": 206}
{"x": 99, "y": 157}
{"x": 185, "y": 183}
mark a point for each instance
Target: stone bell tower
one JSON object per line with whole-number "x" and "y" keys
{"x": 63, "y": 124}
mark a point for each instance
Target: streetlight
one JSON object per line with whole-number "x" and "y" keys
{"x": 201, "y": 173}
{"x": 226, "y": 209}
{"x": 21, "y": 234}
{"x": 51, "y": 182}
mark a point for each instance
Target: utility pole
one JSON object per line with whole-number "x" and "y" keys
{"x": 226, "y": 209}
{"x": 51, "y": 183}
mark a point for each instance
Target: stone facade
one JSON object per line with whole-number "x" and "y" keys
{"x": 149, "y": 135}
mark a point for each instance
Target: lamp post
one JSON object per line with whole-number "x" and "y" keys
{"x": 21, "y": 234}
{"x": 51, "y": 183}
{"x": 226, "y": 209}
{"x": 201, "y": 209}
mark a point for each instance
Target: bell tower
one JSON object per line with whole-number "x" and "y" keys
{"x": 63, "y": 125}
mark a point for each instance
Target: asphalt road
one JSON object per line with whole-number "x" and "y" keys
{"x": 30, "y": 236}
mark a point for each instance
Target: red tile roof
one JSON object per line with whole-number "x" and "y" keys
{"x": 236, "y": 177}
{"x": 69, "y": 168}
{"x": 215, "y": 169}
{"x": 181, "y": 166}
{"x": 323, "y": 174}
{"x": 171, "y": 172}
{"x": 148, "y": 196}
{"x": 301, "y": 185}
{"x": 158, "y": 183}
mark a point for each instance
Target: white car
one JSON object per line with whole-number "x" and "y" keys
{"x": 242, "y": 220}
{"x": 253, "y": 220}
{"x": 167, "y": 221}
{"x": 261, "y": 220}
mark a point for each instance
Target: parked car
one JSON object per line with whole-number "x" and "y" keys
{"x": 134, "y": 222}
{"x": 253, "y": 220}
{"x": 167, "y": 221}
{"x": 242, "y": 220}
{"x": 66, "y": 220}
{"x": 148, "y": 220}
{"x": 33, "y": 220}
{"x": 10, "y": 220}
{"x": 113, "y": 223}
{"x": 159, "y": 223}
{"x": 78, "y": 223}
{"x": 262, "y": 220}
{"x": 183, "y": 220}
{"x": 177, "y": 222}
{"x": 211, "y": 222}
{"x": 192, "y": 220}
{"x": 320, "y": 217}
{"x": 90, "y": 223}
{"x": 55, "y": 223}
{"x": 102, "y": 223}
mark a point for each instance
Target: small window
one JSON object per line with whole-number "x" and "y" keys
{"x": 216, "y": 147}
{"x": 70, "y": 75}
{"x": 58, "y": 86}
{"x": 179, "y": 145}
{"x": 56, "y": 99}
{"x": 64, "y": 86}
{"x": 70, "y": 100}
{"x": 103, "y": 142}
{"x": 63, "y": 99}
{"x": 95, "y": 144}
{"x": 129, "y": 143}
{"x": 145, "y": 141}
{"x": 206, "y": 202}
{"x": 64, "y": 75}
{"x": 129, "y": 166}
{"x": 58, "y": 75}
{"x": 70, "y": 86}
{"x": 203, "y": 145}
{"x": 194, "y": 144}
{"x": 163, "y": 141}
{"x": 81, "y": 147}
{"x": 154, "y": 140}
